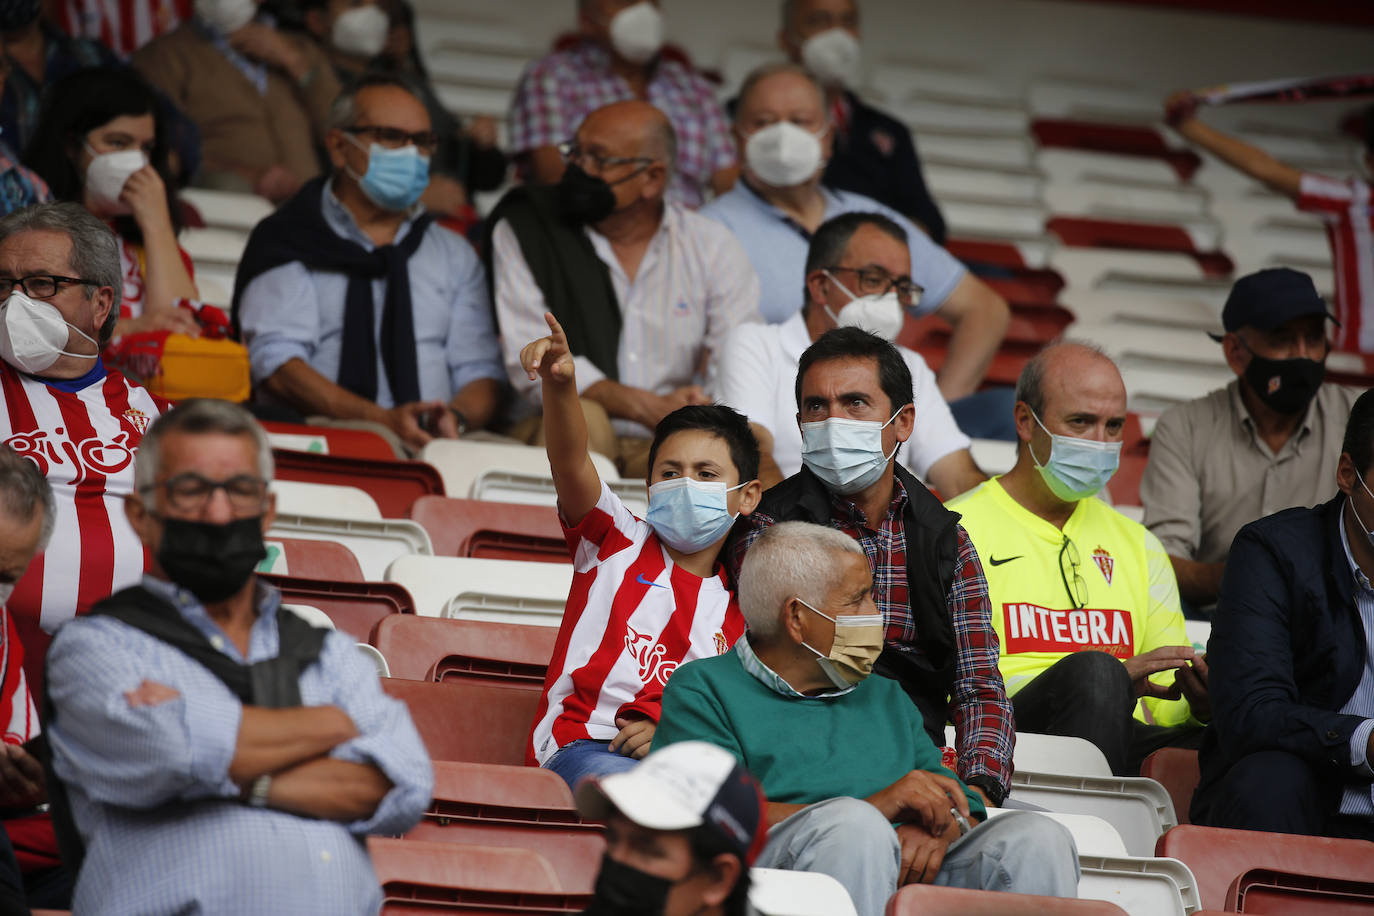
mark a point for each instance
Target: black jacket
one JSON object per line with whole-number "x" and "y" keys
{"x": 877, "y": 157}
{"x": 1287, "y": 649}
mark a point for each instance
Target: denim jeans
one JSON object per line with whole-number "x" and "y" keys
{"x": 586, "y": 757}
{"x": 851, "y": 841}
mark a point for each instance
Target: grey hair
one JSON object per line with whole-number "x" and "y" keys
{"x": 195, "y": 416}
{"x": 24, "y": 491}
{"x": 1030, "y": 385}
{"x": 789, "y": 560}
{"x": 95, "y": 251}
{"x": 344, "y": 110}
{"x": 761, "y": 73}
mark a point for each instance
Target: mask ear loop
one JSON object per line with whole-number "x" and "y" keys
{"x": 1030, "y": 448}
{"x": 836, "y": 281}
{"x": 888, "y": 456}
{"x": 1351, "y": 499}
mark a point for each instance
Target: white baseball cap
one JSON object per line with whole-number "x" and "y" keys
{"x": 684, "y": 785}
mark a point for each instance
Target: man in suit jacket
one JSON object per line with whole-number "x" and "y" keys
{"x": 1291, "y": 678}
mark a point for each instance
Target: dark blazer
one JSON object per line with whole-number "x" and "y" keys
{"x": 877, "y": 158}
{"x": 1287, "y": 649}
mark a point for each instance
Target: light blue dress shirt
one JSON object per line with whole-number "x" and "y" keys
{"x": 777, "y": 246}
{"x": 290, "y": 312}
{"x": 164, "y": 828}
{"x": 1358, "y": 799}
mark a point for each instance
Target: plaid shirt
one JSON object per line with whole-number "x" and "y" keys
{"x": 558, "y": 91}
{"x": 978, "y": 704}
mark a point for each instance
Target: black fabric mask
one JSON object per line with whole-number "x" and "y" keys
{"x": 1285, "y": 386}
{"x": 624, "y": 891}
{"x": 211, "y": 561}
{"x": 584, "y": 198}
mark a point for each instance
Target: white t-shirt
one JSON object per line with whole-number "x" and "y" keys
{"x": 756, "y": 373}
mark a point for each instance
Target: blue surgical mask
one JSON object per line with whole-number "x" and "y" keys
{"x": 395, "y": 178}
{"x": 847, "y": 455}
{"x": 1078, "y": 468}
{"x": 689, "y": 515}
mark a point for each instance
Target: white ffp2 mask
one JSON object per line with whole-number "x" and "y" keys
{"x": 226, "y": 16}
{"x": 832, "y": 57}
{"x": 783, "y": 154}
{"x": 33, "y": 334}
{"x": 637, "y": 32}
{"x": 105, "y": 177}
{"x": 879, "y": 315}
{"x": 361, "y": 31}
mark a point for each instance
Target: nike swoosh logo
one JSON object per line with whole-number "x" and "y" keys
{"x": 643, "y": 581}
{"x": 993, "y": 561}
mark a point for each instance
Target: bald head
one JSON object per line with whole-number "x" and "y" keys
{"x": 631, "y": 129}
{"x": 1064, "y": 372}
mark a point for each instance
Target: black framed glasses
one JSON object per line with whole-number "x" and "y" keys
{"x": 874, "y": 281}
{"x": 1074, "y": 584}
{"x": 580, "y": 157}
{"x": 189, "y": 492}
{"x": 40, "y": 286}
{"x": 395, "y": 138}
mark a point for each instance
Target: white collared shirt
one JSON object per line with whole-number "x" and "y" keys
{"x": 692, "y": 288}
{"x": 756, "y": 373}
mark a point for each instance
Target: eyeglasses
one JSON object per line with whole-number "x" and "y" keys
{"x": 190, "y": 492}
{"x": 395, "y": 138}
{"x": 874, "y": 281}
{"x": 1074, "y": 584}
{"x": 39, "y": 287}
{"x": 579, "y": 157}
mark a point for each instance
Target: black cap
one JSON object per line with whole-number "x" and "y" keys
{"x": 1270, "y": 298}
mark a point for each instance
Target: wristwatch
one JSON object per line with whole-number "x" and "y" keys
{"x": 257, "y": 796}
{"x": 460, "y": 419}
{"x": 991, "y": 788}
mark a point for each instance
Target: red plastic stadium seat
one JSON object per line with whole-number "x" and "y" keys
{"x": 428, "y": 878}
{"x": 1175, "y": 768}
{"x": 355, "y": 607}
{"x": 1265, "y": 890}
{"x": 1217, "y": 857}
{"x": 1032, "y": 287}
{"x": 525, "y": 807}
{"x": 430, "y": 648}
{"x": 928, "y": 900}
{"x": 346, "y": 443}
{"x": 491, "y": 530}
{"x": 1126, "y": 139}
{"x": 315, "y": 559}
{"x": 395, "y": 485}
{"x": 983, "y": 251}
{"x": 1035, "y": 325}
{"x": 471, "y": 721}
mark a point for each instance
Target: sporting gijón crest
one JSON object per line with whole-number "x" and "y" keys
{"x": 1105, "y": 563}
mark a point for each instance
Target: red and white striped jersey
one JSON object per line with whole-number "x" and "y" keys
{"x": 17, "y": 711}
{"x": 82, "y": 434}
{"x": 632, "y": 617}
{"x": 132, "y": 261}
{"x": 123, "y": 26}
{"x": 1348, "y": 211}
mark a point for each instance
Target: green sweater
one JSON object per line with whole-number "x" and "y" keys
{"x": 803, "y": 750}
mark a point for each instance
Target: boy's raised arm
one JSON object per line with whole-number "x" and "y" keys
{"x": 549, "y": 361}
